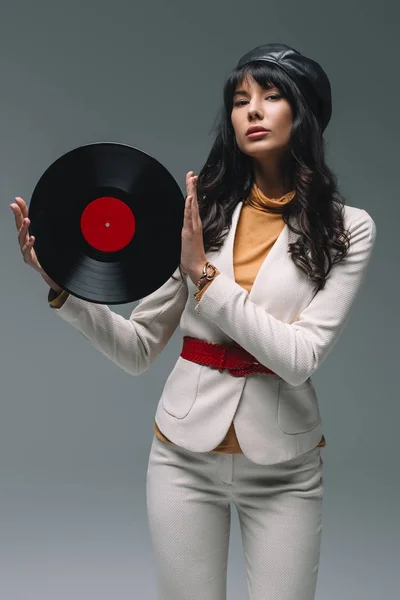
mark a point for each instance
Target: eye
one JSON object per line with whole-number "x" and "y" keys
{"x": 242, "y": 102}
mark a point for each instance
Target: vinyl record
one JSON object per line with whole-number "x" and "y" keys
{"x": 107, "y": 220}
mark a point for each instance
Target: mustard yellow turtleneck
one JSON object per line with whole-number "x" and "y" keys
{"x": 257, "y": 230}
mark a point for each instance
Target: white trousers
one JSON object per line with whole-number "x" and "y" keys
{"x": 189, "y": 496}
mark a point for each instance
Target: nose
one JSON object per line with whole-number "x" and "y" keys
{"x": 255, "y": 112}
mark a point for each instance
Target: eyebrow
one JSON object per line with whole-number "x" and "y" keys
{"x": 239, "y": 92}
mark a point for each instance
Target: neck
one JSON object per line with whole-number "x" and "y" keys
{"x": 269, "y": 179}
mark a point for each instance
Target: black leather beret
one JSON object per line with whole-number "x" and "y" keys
{"x": 305, "y": 72}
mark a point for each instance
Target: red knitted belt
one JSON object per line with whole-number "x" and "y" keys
{"x": 233, "y": 358}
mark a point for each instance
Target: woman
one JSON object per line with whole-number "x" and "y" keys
{"x": 272, "y": 262}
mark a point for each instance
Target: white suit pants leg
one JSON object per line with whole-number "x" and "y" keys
{"x": 280, "y": 515}
{"x": 189, "y": 496}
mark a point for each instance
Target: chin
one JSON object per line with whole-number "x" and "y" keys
{"x": 260, "y": 151}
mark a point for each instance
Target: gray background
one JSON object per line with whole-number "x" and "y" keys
{"x": 75, "y": 430}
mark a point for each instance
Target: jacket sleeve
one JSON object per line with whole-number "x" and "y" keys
{"x": 294, "y": 351}
{"x": 131, "y": 343}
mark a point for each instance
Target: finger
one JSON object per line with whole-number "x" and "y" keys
{"x": 187, "y": 222}
{"x": 22, "y": 204}
{"x": 28, "y": 244}
{"x": 188, "y": 176}
{"x": 20, "y": 211}
{"x": 196, "y": 221}
{"x": 17, "y": 215}
{"x": 25, "y": 223}
{"x": 189, "y": 183}
{"x": 191, "y": 190}
{"x": 195, "y": 204}
{"x": 23, "y": 227}
{"x": 23, "y": 233}
{"x": 26, "y": 250}
{"x": 188, "y": 207}
{"x": 194, "y": 186}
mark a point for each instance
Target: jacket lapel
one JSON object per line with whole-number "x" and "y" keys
{"x": 277, "y": 255}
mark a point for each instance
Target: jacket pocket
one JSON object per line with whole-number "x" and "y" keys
{"x": 181, "y": 388}
{"x": 298, "y": 410}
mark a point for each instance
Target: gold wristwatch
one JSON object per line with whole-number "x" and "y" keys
{"x": 209, "y": 273}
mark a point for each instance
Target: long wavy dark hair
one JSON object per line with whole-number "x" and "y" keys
{"x": 227, "y": 178}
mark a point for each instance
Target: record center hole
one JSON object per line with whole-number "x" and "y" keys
{"x": 107, "y": 224}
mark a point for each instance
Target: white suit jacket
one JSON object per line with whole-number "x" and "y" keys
{"x": 282, "y": 322}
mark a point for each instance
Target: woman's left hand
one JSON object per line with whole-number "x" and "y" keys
{"x": 193, "y": 256}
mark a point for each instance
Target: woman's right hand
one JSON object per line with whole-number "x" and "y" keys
{"x": 26, "y": 241}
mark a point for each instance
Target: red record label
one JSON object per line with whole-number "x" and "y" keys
{"x": 108, "y": 224}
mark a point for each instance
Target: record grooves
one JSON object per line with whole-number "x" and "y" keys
{"x": 107, "y": 219}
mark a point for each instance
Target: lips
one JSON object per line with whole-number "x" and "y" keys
{"x": 256, "y": 129}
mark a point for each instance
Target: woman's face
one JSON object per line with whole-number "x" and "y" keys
{"x": 254, "y": 106}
